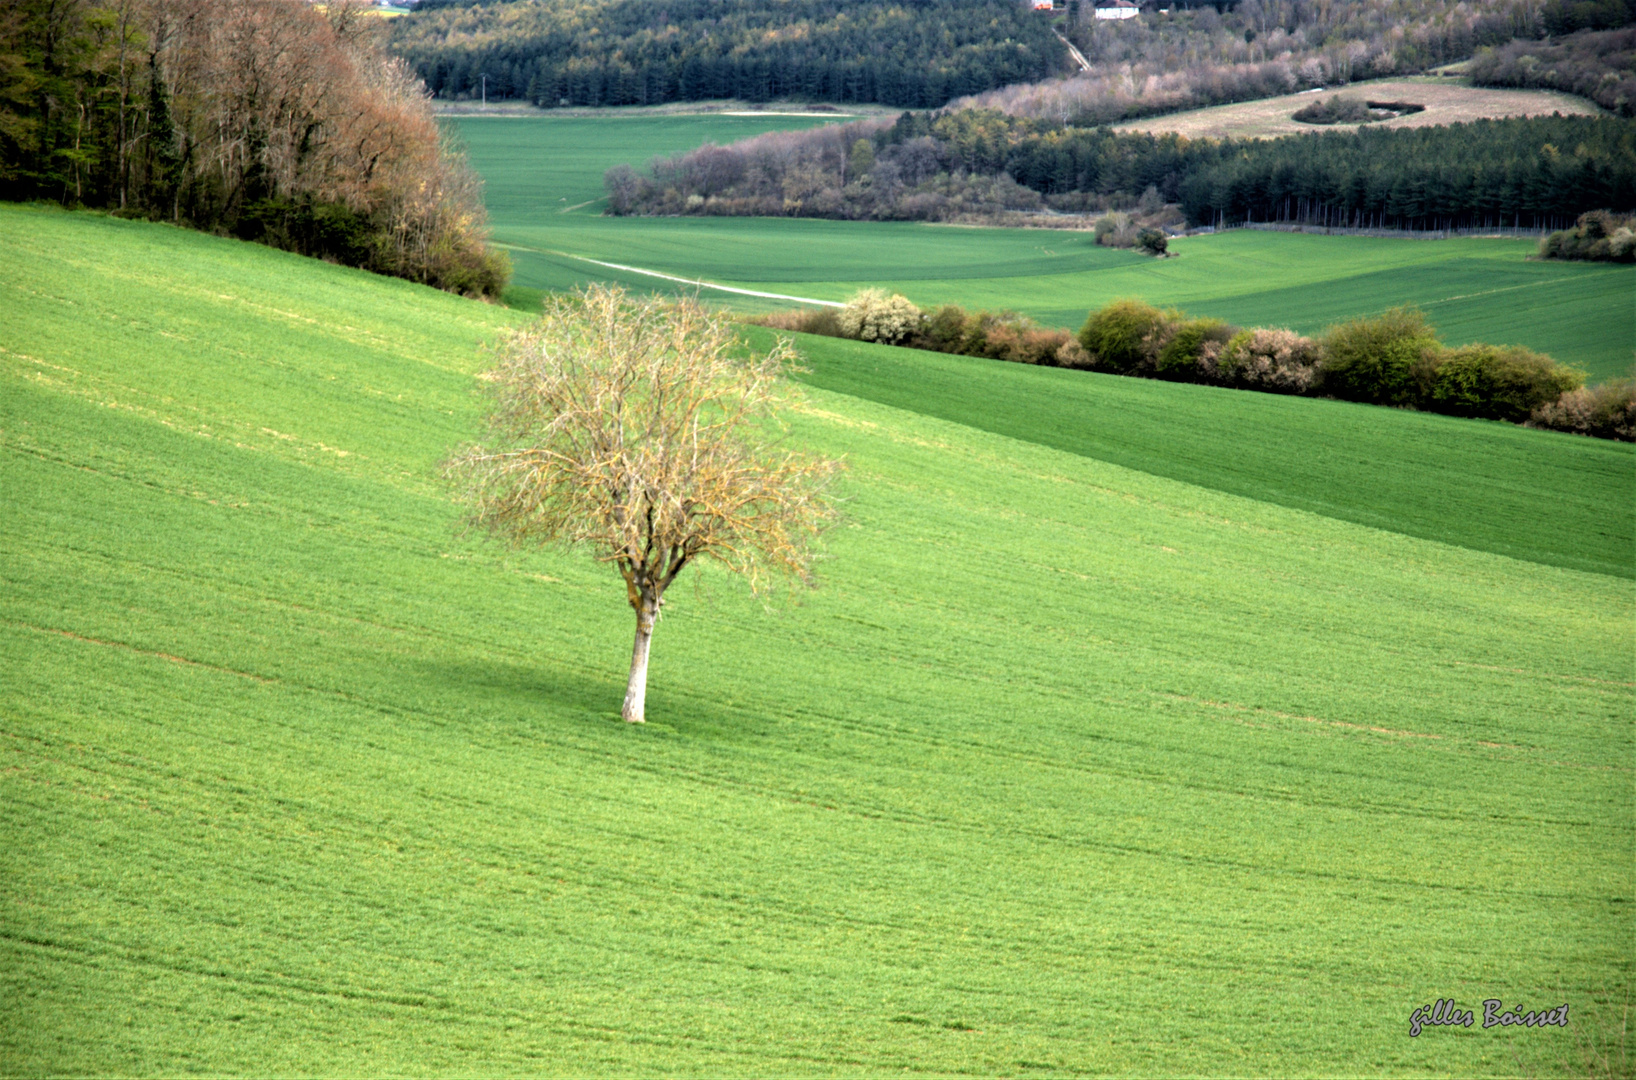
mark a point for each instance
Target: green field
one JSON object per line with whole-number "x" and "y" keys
{"x": 1359, "y": 463}
{"x": 1068, "y": 767}
{"x": 1474, "y": 290}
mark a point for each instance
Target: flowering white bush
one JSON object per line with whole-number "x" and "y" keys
{"x": 872, "y": 315}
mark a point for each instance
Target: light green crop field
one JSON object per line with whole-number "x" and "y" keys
{"x": 1359, "y": 463}
{"x": 1066, "y": 768}
{"x": 1473, "y": 289}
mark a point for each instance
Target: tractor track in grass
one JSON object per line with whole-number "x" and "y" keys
{"x": 696, "y": 282}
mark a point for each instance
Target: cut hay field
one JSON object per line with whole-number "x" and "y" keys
{"x": 1069, "y": 766}
{"x": 1447, "y": 101}
{"x": 544, "y": 181}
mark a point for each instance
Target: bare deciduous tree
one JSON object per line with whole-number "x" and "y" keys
{"x": 628, "y": 426}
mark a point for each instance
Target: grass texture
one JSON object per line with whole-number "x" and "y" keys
{"x": 1473, "y": 289}
{"x": 1484, "y": 485}
{"x": 1066, "y": 768}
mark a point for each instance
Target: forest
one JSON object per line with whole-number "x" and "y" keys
{"x": 1597, "y": 64}
{"x": 916, "y": 54}
{"x": 635, "y": 52}
{"x": 1535, "y": 172}
{"x": 1198, "y": 57}
{"x": 1192, "y": 58}
{"x": 278, "y": 121}
{"x": 1538, "y": 172}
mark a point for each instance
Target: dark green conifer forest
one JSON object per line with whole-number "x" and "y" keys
{"x": 637, "y": 52}
{"x": 1539, "y": 172}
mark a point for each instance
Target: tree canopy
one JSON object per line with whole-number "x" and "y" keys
{"x": 279, "y": 121}
{"x": 633, "y": 427}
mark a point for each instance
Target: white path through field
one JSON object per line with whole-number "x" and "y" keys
{"x": 700, "y": 282}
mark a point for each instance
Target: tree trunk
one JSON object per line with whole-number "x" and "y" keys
{"x": 636, "y": 692}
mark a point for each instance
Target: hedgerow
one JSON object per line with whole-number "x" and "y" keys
{"x": 1390, "y": 359}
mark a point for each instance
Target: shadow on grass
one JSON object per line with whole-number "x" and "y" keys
{"x": 527, "y": 700}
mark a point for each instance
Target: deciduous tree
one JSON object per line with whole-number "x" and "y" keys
{"x": 630, "y": 427}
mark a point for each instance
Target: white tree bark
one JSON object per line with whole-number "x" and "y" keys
{"x": 636, "y": 691}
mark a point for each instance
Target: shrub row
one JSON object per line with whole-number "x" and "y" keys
{"x": 1394, "y": 359}
{"x": 873, "y": 315}
{"x": 1599, "y": 236}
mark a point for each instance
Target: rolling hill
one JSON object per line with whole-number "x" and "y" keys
{"x": 1070, "y": 765}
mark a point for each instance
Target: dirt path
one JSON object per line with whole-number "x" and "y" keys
{"x": 698, "y": 282}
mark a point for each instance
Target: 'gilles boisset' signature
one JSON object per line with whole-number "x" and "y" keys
{"x": 1447, "y": 1014}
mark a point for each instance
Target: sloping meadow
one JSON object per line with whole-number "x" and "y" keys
{"x": 1066, "y": 767}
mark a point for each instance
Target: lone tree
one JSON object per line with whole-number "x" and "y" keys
{"x": 628, "y": 426}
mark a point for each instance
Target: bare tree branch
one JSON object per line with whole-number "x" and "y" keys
{"x": 630, "y": 426}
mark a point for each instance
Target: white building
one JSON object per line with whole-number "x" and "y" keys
{"x": 1116, "y": 9}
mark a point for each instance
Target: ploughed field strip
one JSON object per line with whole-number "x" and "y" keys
{"x": 1067, "y": 766}
{"x": 1472, "y": 289}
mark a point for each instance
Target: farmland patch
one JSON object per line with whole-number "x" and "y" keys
{"x": 1444, "y": 101}
{"x": 1475, "y": 290}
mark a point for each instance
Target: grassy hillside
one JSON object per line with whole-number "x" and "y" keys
{"x": 1474, "y": 290}
{"x": 1066, "y": 768}
{"x": 1550, "y": 498}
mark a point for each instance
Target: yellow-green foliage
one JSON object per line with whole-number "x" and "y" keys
{"x": 1384, "y": 360}
{"x": 1193, "y": 343}
{"x": 1497, "y": 383}
{"x": 1122, "y": 336}
{"x": 1393, "y": 359}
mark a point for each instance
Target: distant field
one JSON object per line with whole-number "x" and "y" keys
{"x": 1447, "y": 101}
{"x": 1067, "y": 767}
{"x": 536, "y": 167}
{"x": 544, "y": 181}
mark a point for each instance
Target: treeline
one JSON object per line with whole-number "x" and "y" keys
{"x": 275, "y": 121}
{"x": 908, "y": 53}
{"x": 1191, "y": 58}
{"x": 1600, "y": 65}
{"x": 1536, "y": 172}
{"x": 1393, "y": 359}
{"x": 1530, "y": 172}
